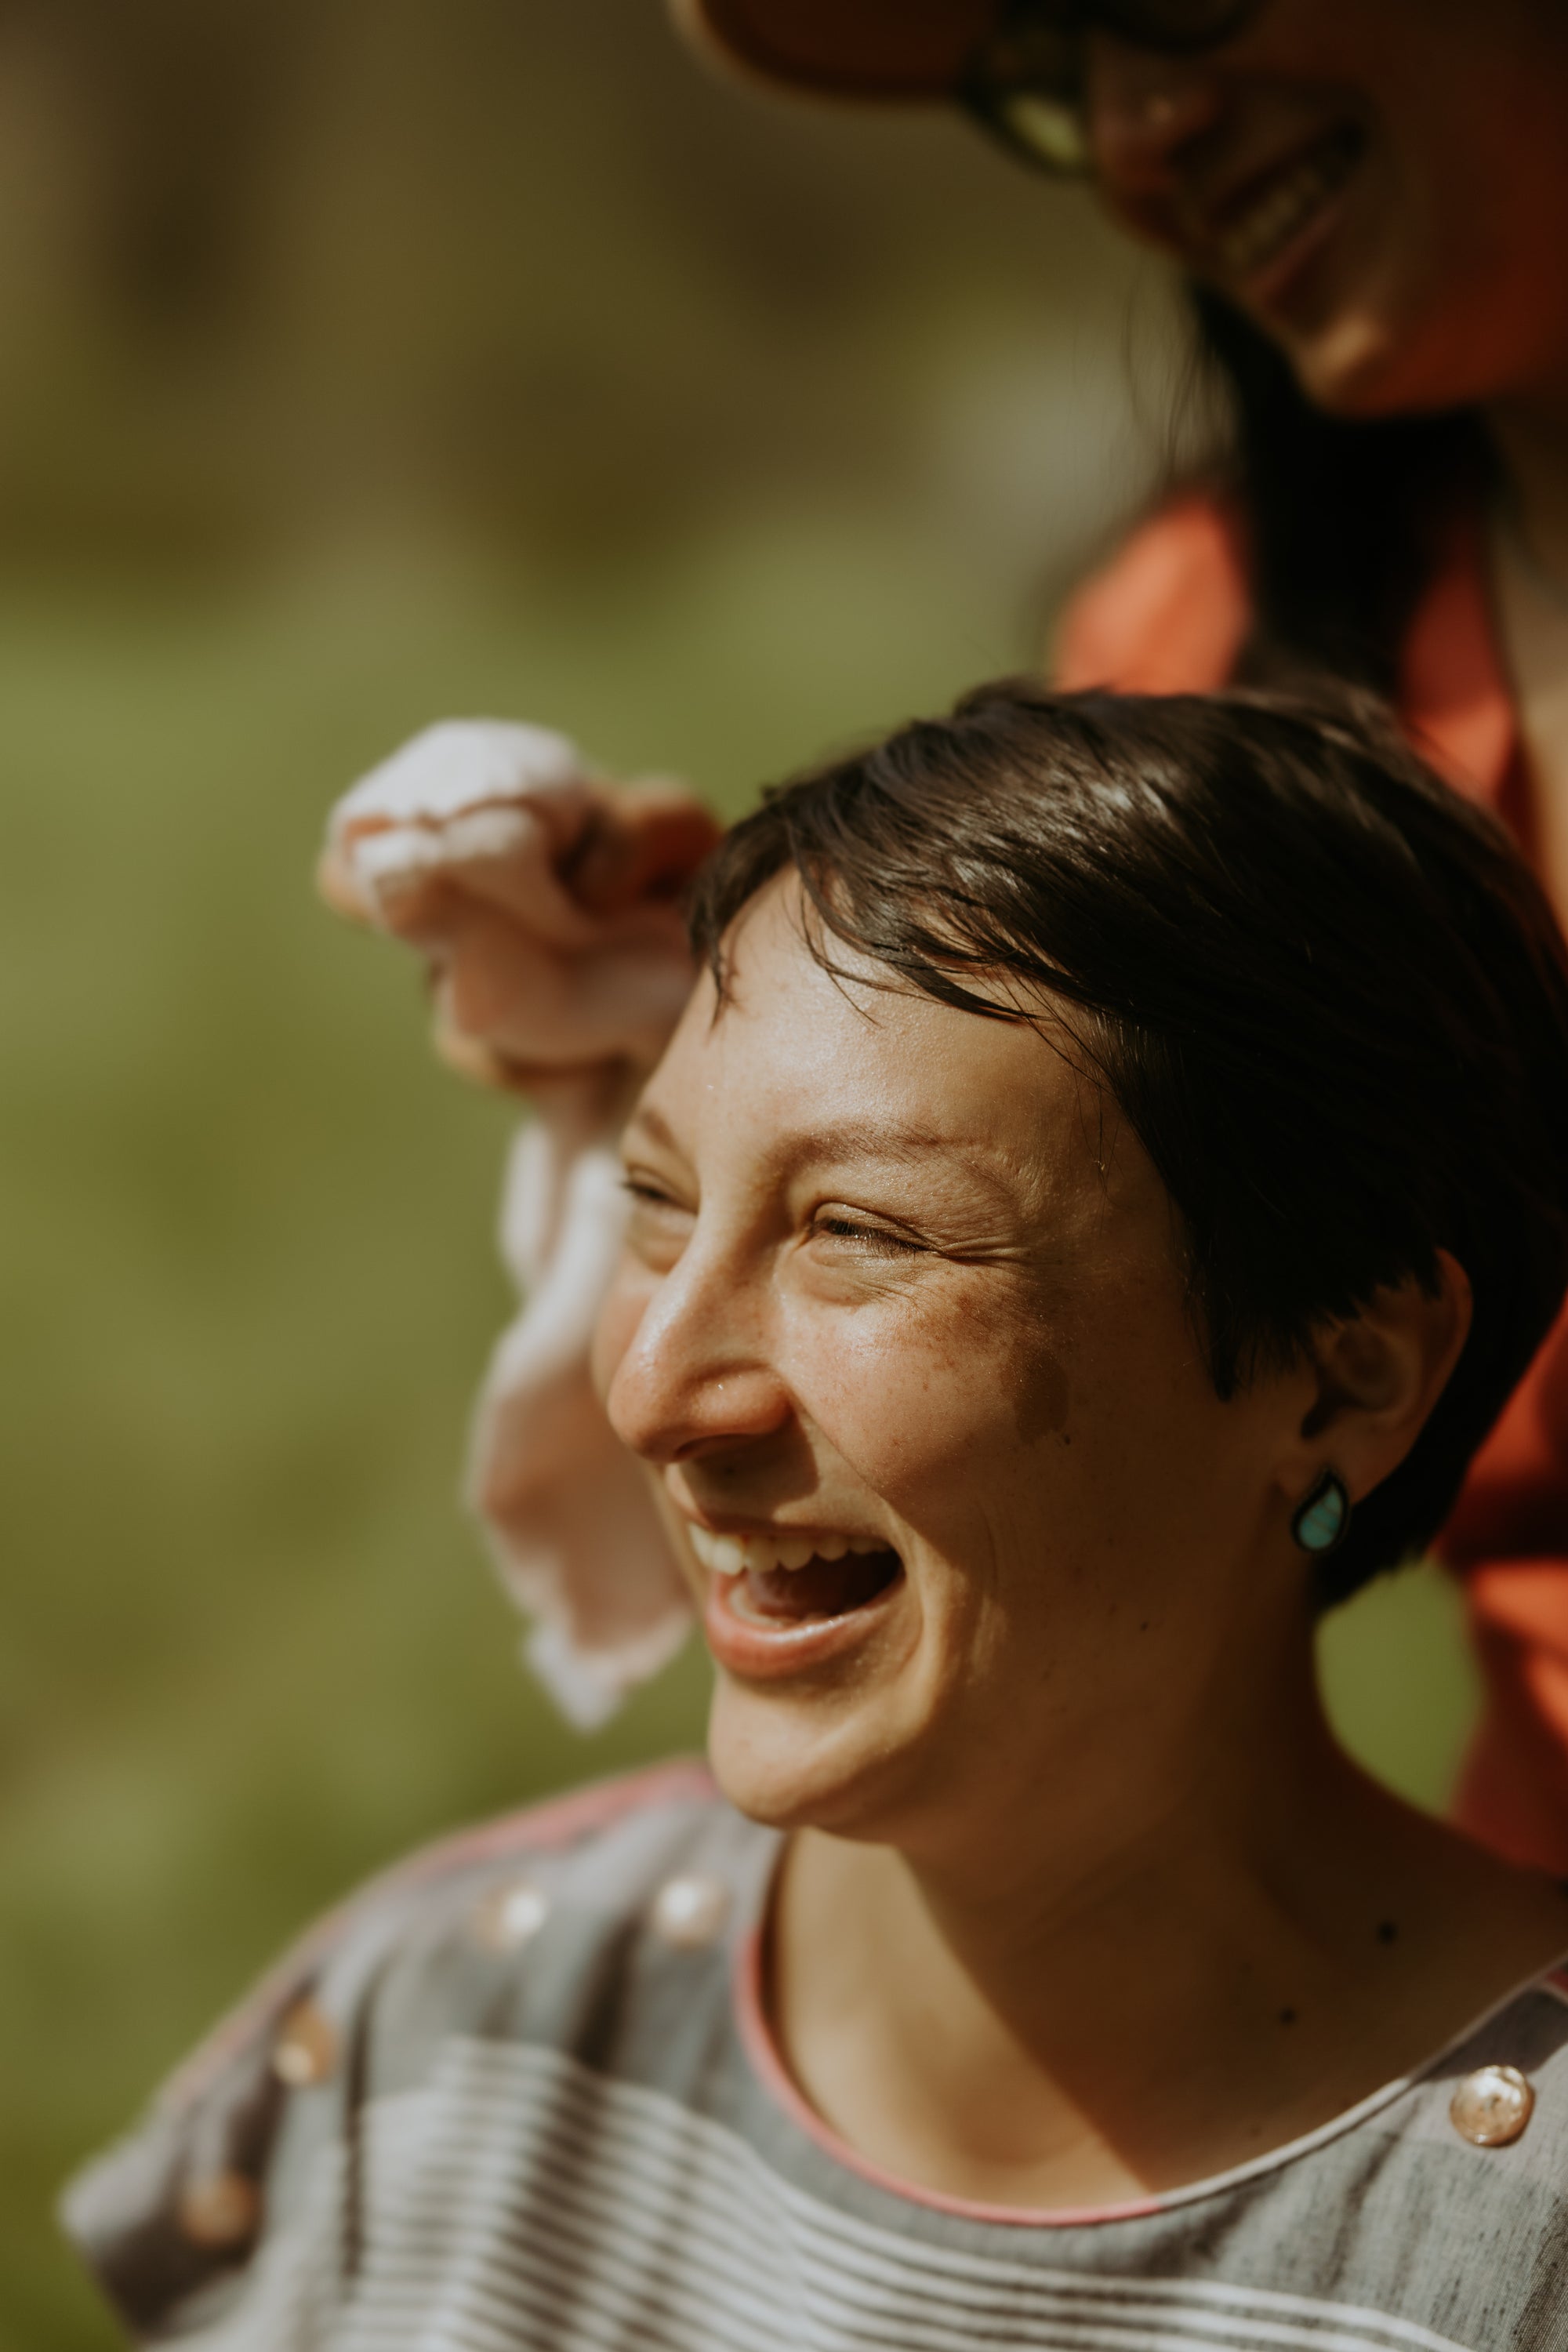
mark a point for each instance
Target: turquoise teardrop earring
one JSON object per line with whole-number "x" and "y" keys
{"x": 1322, "y": 1519}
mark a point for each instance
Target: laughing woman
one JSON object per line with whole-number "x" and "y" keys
{"x": 1368, "y": 200}
{"x": 1087, "y": 1218}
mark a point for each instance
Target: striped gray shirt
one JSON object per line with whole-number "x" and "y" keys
{"x": 519, "y": 2093}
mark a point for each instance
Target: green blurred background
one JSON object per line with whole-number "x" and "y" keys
{"x": 366, "y": 362}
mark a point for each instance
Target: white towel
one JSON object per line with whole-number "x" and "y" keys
{"x": 472, "y": 827}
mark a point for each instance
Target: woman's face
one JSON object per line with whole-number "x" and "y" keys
{"x": 900, "y": 1331}
{"x": 1382, "y": 185}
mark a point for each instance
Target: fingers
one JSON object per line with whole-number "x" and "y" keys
{"x": 543, "y": 899}
{"x": 590, "y": 854}
{"x": 575, "y": 1094}
{"x": 603, "y": 854}
{"x": 338, "y": 884}
{"x": 644, "y": 842}
{"x": 536, "y": 1007}
{"x": 418, "y": 908}
{"x": 471, "y": 1058}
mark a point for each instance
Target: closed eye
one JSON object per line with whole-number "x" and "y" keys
{"x": 659, "y": 1222}
{"x": 642, "y": 1188}
{"x": 860, "y": 1235}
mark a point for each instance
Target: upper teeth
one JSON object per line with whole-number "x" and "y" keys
{"x": 735, "y": 1555}
{"x": 1284, "y": 209}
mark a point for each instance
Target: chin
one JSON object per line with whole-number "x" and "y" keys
{"x": 1362, "y": 367}
{"x": 1362, "y": 392}
{"x": 795, "y": 1763}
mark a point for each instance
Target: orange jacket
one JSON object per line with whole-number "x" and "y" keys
{"x": 1169, "y": 615}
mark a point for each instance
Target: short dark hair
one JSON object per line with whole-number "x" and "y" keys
{"x": 1327, "y": 993}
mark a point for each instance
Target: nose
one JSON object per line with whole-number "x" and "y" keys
{"x": 695, "y": 1379}
{"x": 1142, "y": 111}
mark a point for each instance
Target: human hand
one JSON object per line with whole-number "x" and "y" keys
{"x": 543, "y": 898}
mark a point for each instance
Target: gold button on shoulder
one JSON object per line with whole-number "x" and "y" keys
{"x": 220, "y": 2211}
{"x": 1491, "y": 2106}
{"x": 306, "y": 2049}
{"x": 510, "y": 1915}
{"x": 689, "y": 1912}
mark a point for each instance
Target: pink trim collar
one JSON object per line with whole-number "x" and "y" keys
{"x": 772, "y": 2072}
{"x": 757, "y": 2042}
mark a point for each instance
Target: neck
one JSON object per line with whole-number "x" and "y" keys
{"x": 1227, "y": 1967}
{"x": 1532, "y": 441}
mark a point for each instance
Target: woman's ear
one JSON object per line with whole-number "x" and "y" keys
{"x": 1377, "y": 1376}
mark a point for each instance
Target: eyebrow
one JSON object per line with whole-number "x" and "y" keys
{"x": 880, "y": 1139}
{"x": 889, "y": 1140}
{"x": 654, "y": 1123}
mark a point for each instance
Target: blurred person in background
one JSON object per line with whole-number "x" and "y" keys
{"x": 1369, "y": 202}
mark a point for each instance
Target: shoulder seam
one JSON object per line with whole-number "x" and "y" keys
{"x": 548, "y": 1827}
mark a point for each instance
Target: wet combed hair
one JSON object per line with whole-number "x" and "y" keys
{"x": 1327, "y": 995}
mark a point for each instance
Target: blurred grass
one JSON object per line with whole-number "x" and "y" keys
{"x": 1402, "y": 1686}
{"x": 247, "y": 1277}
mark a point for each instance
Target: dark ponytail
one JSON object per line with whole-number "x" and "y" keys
{"x": 1346, "y": 519}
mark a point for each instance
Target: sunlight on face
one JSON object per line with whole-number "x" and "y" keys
{"x": 901, "y": 1332}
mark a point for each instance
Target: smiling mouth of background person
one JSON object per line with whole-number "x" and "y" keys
{"x": 787, "y": 1579}
{"x": 1255, "y": 227}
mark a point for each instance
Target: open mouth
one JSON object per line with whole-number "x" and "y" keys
{"x": 779, "y": 1582}
{"x": 1256, "y": 228}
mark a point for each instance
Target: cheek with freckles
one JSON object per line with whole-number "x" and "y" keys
{"x": 1046, "y": 1447}
{"x": 944, "y": 1409}
{"x": 1039, "y": 1389}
